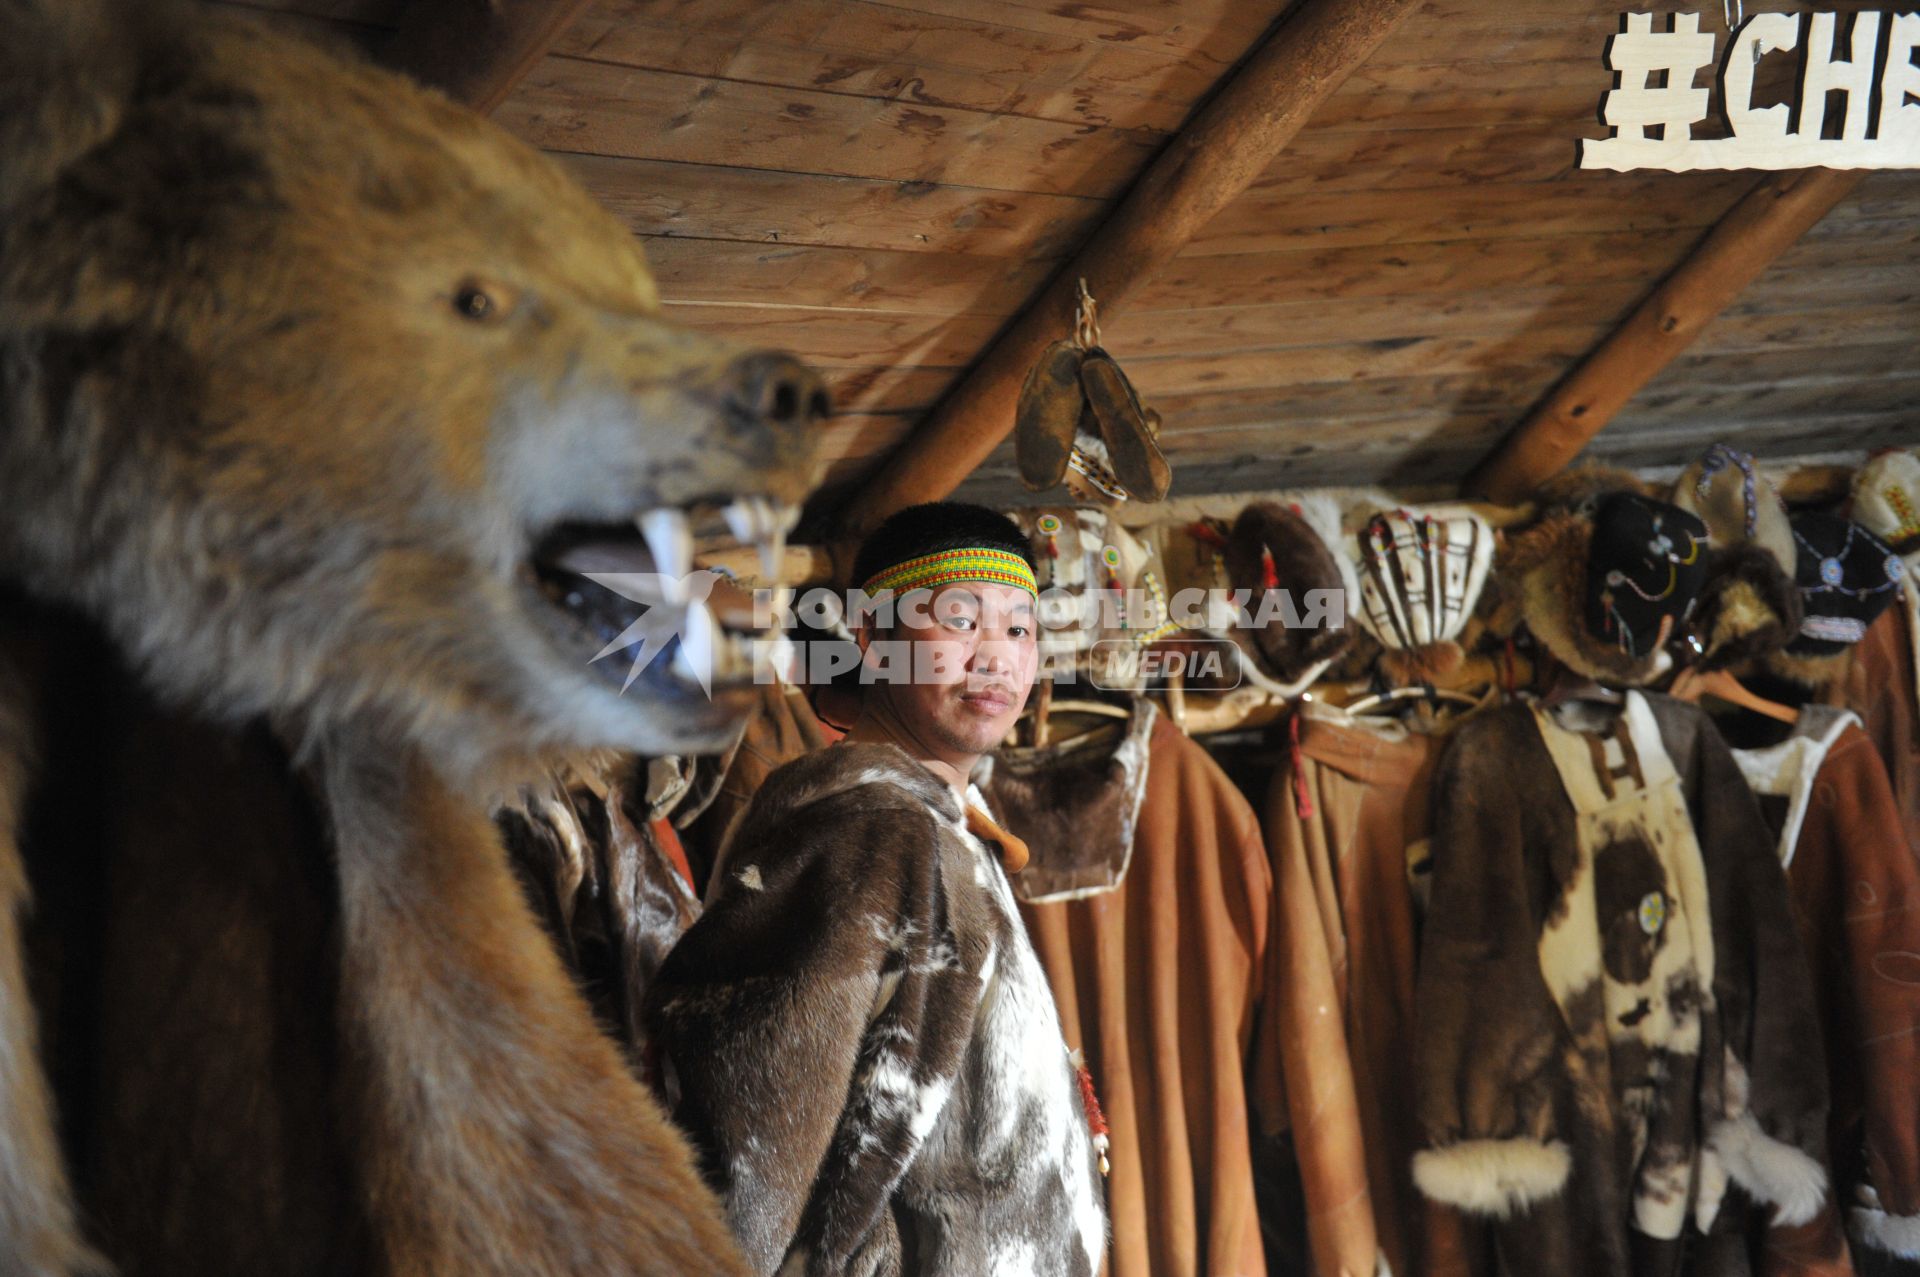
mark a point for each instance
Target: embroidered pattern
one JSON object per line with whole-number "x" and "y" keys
{"x": 1902, "y": 508}
{"x": 976, "y": 563}
{"x": 1833, "y": 571}
{"x": 1096, "y": 474}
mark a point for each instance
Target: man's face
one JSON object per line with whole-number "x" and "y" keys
{"x": 958, "y": 665}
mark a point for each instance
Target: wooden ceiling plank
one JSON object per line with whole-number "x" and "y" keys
{"x": 1361, "y": 361}
{"x": 1786, "y": 400}
{"x": 705, "y": 201}
{"x": 1499, "y": 312}
{"x": 476, "y": 51}
{"x": 1408, "y": 270}
{"x": 1212, "y": 32}
{"x": 857, "y": 279}
{"x": 569, "y": 105}
{"x": 878, "y": 50}
{"x": 1841, "y": 324}
{"x": 1231, "y": 139}
{"x": 838, "y": 338}
{"x": 1304, "y": 220}
{"x": 1762, "y": 226}
{"x": 1800, "y": 435}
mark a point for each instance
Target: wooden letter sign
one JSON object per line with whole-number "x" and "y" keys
{"x": 1655, "y": 106}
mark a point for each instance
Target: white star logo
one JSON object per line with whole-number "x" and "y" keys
{"x": 676, "y": 609}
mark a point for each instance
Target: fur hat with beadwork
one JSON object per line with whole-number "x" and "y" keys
{"x": 1298, "y": 591}
{"x": 1749, "y": 606}
{"x": 1886, "y": 499}
{"x": 1421, "y": 576}
{"x": 1847, "y": 577}
{"x": 1605, "y": 577}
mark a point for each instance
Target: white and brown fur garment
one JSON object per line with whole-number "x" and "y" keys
{"x": 1616, "y": 1035}
{"x": 863, "y": 1046}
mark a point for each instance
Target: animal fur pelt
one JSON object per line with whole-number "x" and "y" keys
{"x": 299, "y": 365}
{"x": 858, "y": 1024}
{"x": 1543, "y": 576}
{"x": 587, "y": 845}
{"x": 1748, "y": 608}
{"x": 1615, "y": 1011}
{"x": 1580, "y": 490}
{"x": 1078, "y": 801}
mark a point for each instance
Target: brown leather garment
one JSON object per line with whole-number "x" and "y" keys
{"x": 1878, "y": 685}
{"x": 1858, "y": 908}
{"x": 1340, "y": 820}
{"x": 1157, "y": 981}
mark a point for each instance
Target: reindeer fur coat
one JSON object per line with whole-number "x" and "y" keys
{"x": 1617, "y": 1050}
{"x": 862, "y": 1044}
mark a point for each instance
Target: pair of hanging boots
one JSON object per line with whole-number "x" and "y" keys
{"x": 1077, "y": 391}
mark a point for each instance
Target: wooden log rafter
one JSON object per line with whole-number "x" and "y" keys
{"x": 475, "y": 51}
{"x": 1248, "y": 121}
{"x": 1761, "y": 225}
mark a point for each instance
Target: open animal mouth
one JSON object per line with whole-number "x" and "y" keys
{"x": 689, "y": 631}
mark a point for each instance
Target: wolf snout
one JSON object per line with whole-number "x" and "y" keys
{"x": 777, "y": 389}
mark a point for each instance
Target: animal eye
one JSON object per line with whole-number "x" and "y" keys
{"x": 473, "y": 302}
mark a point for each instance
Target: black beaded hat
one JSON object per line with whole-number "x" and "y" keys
{"x": 1847, "y": 577}
{"x": 1645, "y": 566}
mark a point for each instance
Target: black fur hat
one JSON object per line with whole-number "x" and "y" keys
{"x": 1645, "y": 566}
{"x": 1847, "y": 577}
{"x": 1597, "y": 577}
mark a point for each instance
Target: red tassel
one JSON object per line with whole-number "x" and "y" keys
{"x": 1302, "y": 797}
{"x": 1096, "y": 1117}
{"x": 1090, "y": 1100}
{"x": 1269, "y": 575}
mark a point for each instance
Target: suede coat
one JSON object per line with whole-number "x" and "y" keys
{"x": 1877, "y": 683}
{"x": 862, "y": 1045}
{"x": 1614, "y": 1007}
{"x": 1146, "y": 898}
{"x": 1857, "y": 895}
{"x": 1347, "y": 824}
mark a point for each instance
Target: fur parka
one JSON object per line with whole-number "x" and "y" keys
{"x": 862, "y": 1044}
{"x": 1615, "y": 1013}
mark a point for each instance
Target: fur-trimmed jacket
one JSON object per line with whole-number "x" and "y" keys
{"x": 862, "y": 1045}
{"x": 1857, "y": 893}
{"x": 1614, "y": 1010}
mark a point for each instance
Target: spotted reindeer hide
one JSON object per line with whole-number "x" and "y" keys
{"x": 861, "y": 1042}
{"x": 1614, "y": 1012}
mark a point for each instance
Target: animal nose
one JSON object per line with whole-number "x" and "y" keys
{"x": 778, "y": 389}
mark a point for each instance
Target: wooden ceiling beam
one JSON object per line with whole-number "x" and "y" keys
{"x": 475, "y": 51}
{"x": 1229, "y": 143}
{"x": 1763, "y": 224}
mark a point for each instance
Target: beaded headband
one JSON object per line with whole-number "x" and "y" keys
{"x": 969, "y": 563}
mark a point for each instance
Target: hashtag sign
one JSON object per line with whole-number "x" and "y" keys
{"x": 1640, "y": 51}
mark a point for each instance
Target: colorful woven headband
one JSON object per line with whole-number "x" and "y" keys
{"x": 972, "y": 563}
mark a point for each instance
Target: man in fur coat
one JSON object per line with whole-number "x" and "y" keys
{"x": 857, "y": 1034}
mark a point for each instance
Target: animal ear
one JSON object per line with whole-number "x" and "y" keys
{"x": 67, "y": 70}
